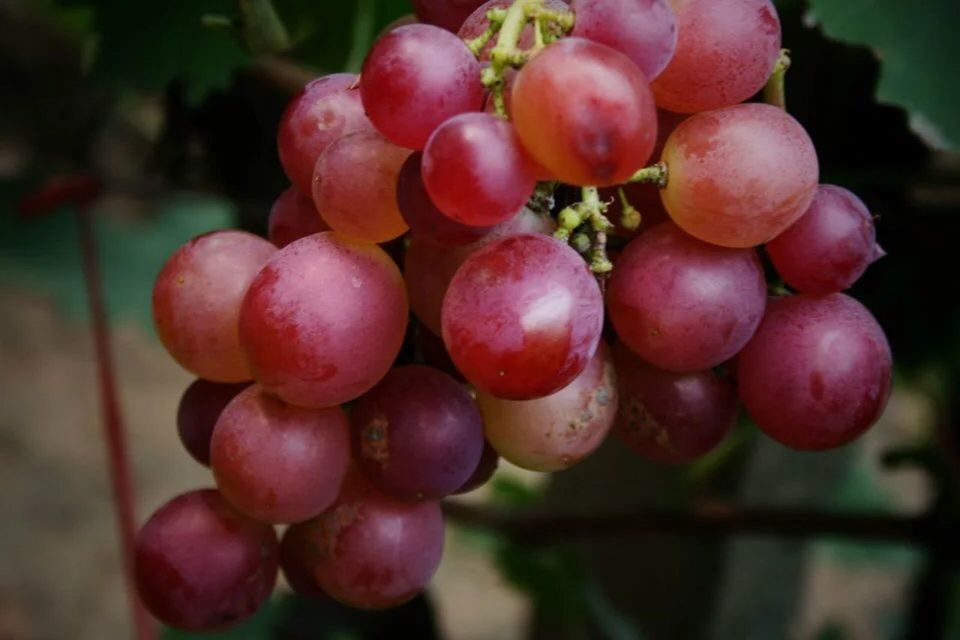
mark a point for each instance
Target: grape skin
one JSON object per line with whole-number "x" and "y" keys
{"x": 817, "y": 373}
{"x": 324, "y": 320}
{"x": 557, "y": 431}
{"x": 685, "y": 305}
{"x": 448, "y": 14}
{"x": 293, "y": 216}
{"x": 201, "y": 566}
{"x": 522, "y": 317}
{"x": 295, "y": 563}
{"x": 197, "y": 413}
{"x": 276, "y": 462}
{"x": 739, "y": 176}
{"x": 196, "y": 301}
{"x": 726, "y": 51}
{"x": 489, "y": 461}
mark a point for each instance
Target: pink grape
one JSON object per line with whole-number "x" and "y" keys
{"x": 726, "y": 50}
{"x": 326, "y": 109}
{"x": 557, "y": 431}
{"x": 671, "y": 417}
{"x": 682, "y": 304}
{"x": 201, "y": 566}
{"x": 644, "y": 30}
{"x": 448, "y": 14}
{"x": 739, "y": 176}
{"x": 324, "y": 320}
{"x": 418, "y": 434}
{"x": 296, "y": 563}
{"x": 600, "y": 136}
{"x": 476, "y": 23}
{"x": 276, "y": 462}
{"x": 372, "y": 551}
{"x": 196, "y": 302}
{"x": 522, "y": 317}
{"x": 355, "y": 187}
{"x": 415, "y": 78}
{"x": 425, "y": 220}
{"x": 476, "y": 171}
{"x": 197, "y": 414}
{"x": 293, "y": 216}
{"x": 817, "y": 373}
{"x": 489, "y": 461}
{"x": 830, "y": 246}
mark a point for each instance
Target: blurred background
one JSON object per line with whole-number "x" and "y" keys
{"x": 177, "y": 119}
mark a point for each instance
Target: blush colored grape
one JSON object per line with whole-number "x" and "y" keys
{"x": 197, "y": 414}
{"x": 599, "y": 136}
{"x": 522, "y": 317}
{"x": 739, "y": 176}
{"x": 201, "y": 566}
{"x": 682, "y": 304}
{"x": 726, "y": 51}
{"x": 643, "y": 30}
{"x": 293, "y": 216}
{"x": 196, "y": 302}
{"x": 448, "y": 14}
{"x": 557, "y": 431}
{"x": 672, "y": 417}
{"x": 817, "y": 373}
{"x": 324, "y": 320}
{"x": 326, "y": 109}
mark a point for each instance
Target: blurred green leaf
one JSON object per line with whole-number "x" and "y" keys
{"x": 510, "y": 492}
{"x": 914, "y": 42}
{"x": 552, "y": 577}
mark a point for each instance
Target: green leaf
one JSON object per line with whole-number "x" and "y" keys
{"x": 915, "y": 43}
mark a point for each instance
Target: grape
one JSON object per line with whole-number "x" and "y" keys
{"x": 522, "y": 317}
{"x": 830, "y": 246}
{"x": 817, "y": 373}
{"x": 276, "y": 462}
{"x": 201, "y": 566}
{"x": 326, "y": 109}
{"x": 585, "y": 112}
{"x": 476, "y": 171}
{"x": 414, "y": 79}
{"x": 644, "y": 30}
{"x": 671, "y": 417}
{"x": 418, "y": 434}
{"x": 292, "y": 217}
{"x": 726, "y": 51}
{"x": 476, "y": 23}
{"x": 425, "y": 220}
{"x": 296, "y": 563}
{"x": 371, "y": 551}
{"x": 429, "y": 268}
{"x": 489, "y": 461}
{"x": 559, "y": 430}
{"x": 355, "y": 187}
{"x": 324, "y": 320}
{"x": 448, "y": 14}
{"x": 682, "y": 304}
{"x": 196, "y": 301}
{"x": 200, "y": 406}
{"x": 739, "y": 176}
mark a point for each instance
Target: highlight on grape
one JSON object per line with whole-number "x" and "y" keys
{"x": 576, "y": 203}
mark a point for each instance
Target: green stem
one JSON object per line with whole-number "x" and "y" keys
{"x": 495, "y": 18}
{"x": 630, "y": 218}
{"x": 657, "y": 174}
{"x": 775, "y": 92}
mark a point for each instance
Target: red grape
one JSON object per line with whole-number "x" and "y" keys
{"x": 585, "y": 112}
{"x": 326, "y": 109}
{"x": 830, "y": 246}
{"x": 644, "y": 30}
{"x": 200, "y": 406}
{"x": 671, "y": 417}
{"x": 476, "y": 171}
{"x": 476, "y": 23}
{"x": 682, "y": 304}
{"x": 292, "y": 217}
{"x": 448, "y": 14}
{"x": 489, "y": 461}
{"x": 201, "y": 566}
{"x": 296, "y": 562}
{"x": 355, "y": 187}
{"x": 522, "y": 317}
{"x": 196, "y": 301}
{"x": 817, "y": 373}
{"x": 418, "y": 434}
{"x": 559, "y": 430}
{"x": 414, "y": 79}
{"x": 726, "y": 50}
{"x": 324, "y": 320}
{"x": 425, "y": 220}
{"x": 739, "y": 176}
{"x": 276, "y": 462}
{"x": 372, "y": 551}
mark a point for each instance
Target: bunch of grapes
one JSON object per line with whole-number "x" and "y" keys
{"x": 516, "y": 154}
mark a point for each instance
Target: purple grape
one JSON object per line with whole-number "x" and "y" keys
{"x": 489, "y": 461}
{"x": 200, "y": 406}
